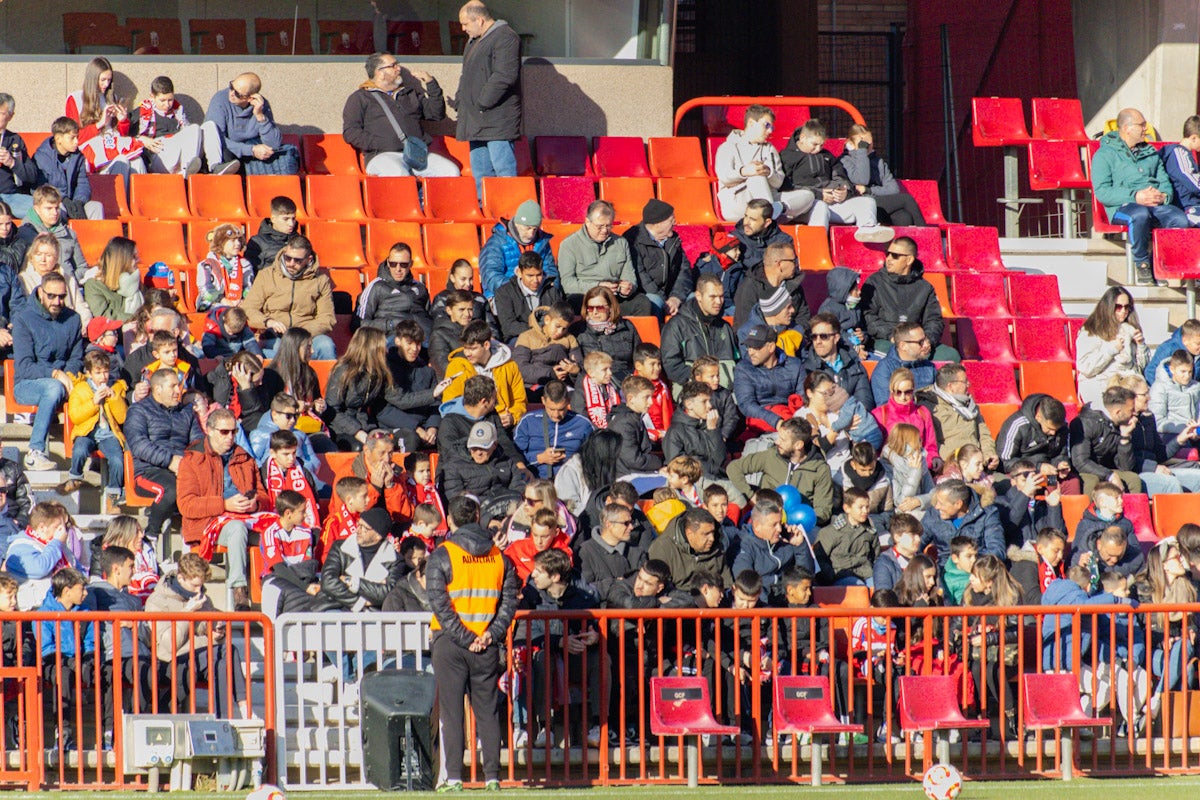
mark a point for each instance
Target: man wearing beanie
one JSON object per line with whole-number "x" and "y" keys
{"x": 360, "y": 570}
{"x": 776, "y": 312}
{"x": 662, "y": 268}
{"x": 510, "y": 238}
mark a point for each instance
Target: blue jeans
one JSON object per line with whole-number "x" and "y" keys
{"x": 285, "y": 161}
{"x": 20, "y": 205}
{"x": 48, "y": 395}
{"x": 323, "y": 348}
{"x": 492, "y": 159}
{"x": 1142, "y": 220}
{"x": 1182, "y": 480}
{"x": 110, "y": 446}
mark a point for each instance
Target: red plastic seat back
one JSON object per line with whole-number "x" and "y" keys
{"x": 1032, "y": 295}
{"x": 681, "y": 706}
{"x": 1058, "y": 118}
{"x": 1040, "y": 339}
{"x": 1177, "y": 253}
{"x": 1137, "y": 511}
{"x": 980, "y": 295}
{"x": 802, "y": 700}
{"x": 620, "y": 157}
{"x": 992, "y": 383}
{"x": 562, "y": 155}
{"x": 998, "y": 121}
{"x": 974, "y": 248}
{"x": 1050, "y": 697}
{"x": 849, "y": 252}
{"x": 986, "y": 340}
{"x": 567, "y": 198}
{"x": 928, "y": 699}
{"x": 929, "y": 200}
{"x": 1056, "y": 165}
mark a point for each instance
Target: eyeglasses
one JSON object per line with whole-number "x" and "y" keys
{"x": 894, "y": 254}
{"x": 399, "y": 264}
{"x": 923, "y": 340}
{"x": 787, "y": 261}
{"x": 294, "y": 259}
{"x": 624, "y": 523}
{"x": 224, "y": 431}
{"x": 532, "y": 501}
{"x": 1020, "y": 476}
{"x": 823, "y": 336}
{"x": 393, "y": 65}
{"x": 288, "y": 414}
{"x": 1122, "y": 306}
{"x": 601, "y": 226}
{"x": 599, "y": 307}
{"x": 238, "y": 94}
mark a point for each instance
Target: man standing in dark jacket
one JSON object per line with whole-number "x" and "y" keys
{"x": 899, "y": 293}
{"x": 157, "y": 432}
{"x": 1022, "y": 513}
{"x": 473, "y": 591}
{"x": 778, "y": 268}
{"x": 48, "y": 350}
{"x": 489, "y": 93}
{"x": 371, "y": 131}
{"x": 699, "y": 330}
{"x": 394, "y": 295}
{"x": 663, "y": 270}
{"x": 1101, "y": 442}
{"x": 827, "y": 353}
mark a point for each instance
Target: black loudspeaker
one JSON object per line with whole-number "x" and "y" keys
{"x": 397, "y": 726}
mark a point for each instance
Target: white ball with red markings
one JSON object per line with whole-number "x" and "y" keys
{"x": 942, "y": 782}
{"x": 267, "y": 792}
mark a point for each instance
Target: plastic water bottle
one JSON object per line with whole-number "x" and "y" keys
{"x": 256, "y": 772}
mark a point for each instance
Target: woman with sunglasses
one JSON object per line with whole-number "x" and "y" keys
{"x": 838, "y": 420}
{"x": 539, "y": 493}
{"x": 608, "y": 332}
{"x": 902, "y": 407}
{"x": 1109, "y": 343}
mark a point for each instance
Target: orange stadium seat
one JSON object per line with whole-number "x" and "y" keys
{"x": 619, "y": 157}
{"x": 162, "y": 35}
{"x": 1073, "y": 507}
{"x": 994, "y": 414}
{"x": 381, "y": 235}
{"x": 559, "y": 231}
{"x": 1040, "y": 339}
{"x": 335, "y": 197}
{"x": 446, "y": 242}
{"x": 218, "y": 197}
{"x": 450, "y": 148}
{"x": 647, "y": 328}
{"x": 395, "y": 199}
{"x": 985, "y": 339}
{"x": 1058, "y": 118}
{"x": 329, "y": 154}
{"x": 628, "y": 196}
{"x": 1173, "y": 511}
{"x": 941, "y": 287}
{"x": 323, "y": 369}
{"x": 337, "y": 244}
{"x": 262, "y": 189}
{"x": 812, "y": 248}
{"x": 197, "y": 236}
{"x": 992, "y": 383}
{"x": 676, "y": 157}
{"x": 710, "y": 153}
{"x": 501, "y": 196}
{"x": 109, "y": 192}
{"x": 567, "y": 198}
{"x": 972, "y": 248}
{"x": 1055, "y": 378}
{"x": 562, "y": 155}
{"x": 93, "y": 235}
{"x": 347, "y": 286}
{"x": 159, "y": 197}
{"x": 1032, "y": 295}
{"x": 692, "y": 199}
{"x": 452, "y": 199}
{"x": 33, "y": 140}
{"x": 159, "y": 241}
{"x": 980, "y": 295}
{"x": 218, "y": 37}
{"x": 283, "y": 37}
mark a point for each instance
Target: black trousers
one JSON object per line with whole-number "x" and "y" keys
{"x": 460, "y": 673}
{"x": 899, "y": 209}
{"x": 157, "y": 484}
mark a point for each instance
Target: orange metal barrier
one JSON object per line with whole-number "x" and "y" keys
{"x": 735, "y": 100}
{"x": 69, "y": 702}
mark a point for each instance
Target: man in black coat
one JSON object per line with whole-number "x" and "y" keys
{"x": 486, "y": 472}
{"x": 899, "y": 293}
{"x": 395, "y": 295}
{"x": 778, "y": 268}
{"x": 478, "y": 403}
{"x": 1022, "y": 513}
{"x": 1036, "y": 432}
{"x": 827, "y": 353}
{"x": 489, "y": 93}
{"x": 695, "y": 430}
{"x": 527, "y": 290}
{"x": 663, "y": 270}
{"x": 1101, "y": 443}
{"x": 360, "y": 571}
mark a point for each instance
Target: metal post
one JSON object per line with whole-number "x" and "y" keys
{"x": 941, "y": 748}
{"x": 1012, "y": 206}
{"x": 895, "y": 101}
{"x": 816, "y": 757}
{"x": 953, "y": 190}
{"x": 1068, "y": 213}
{"x": 1068, "y": 758}
{"x": 1189, "y": 287}
{"x": 693, "y": 762}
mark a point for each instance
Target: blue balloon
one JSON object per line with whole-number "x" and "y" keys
{"x": 790, "y": 496}
{"x": 804, "y": 516}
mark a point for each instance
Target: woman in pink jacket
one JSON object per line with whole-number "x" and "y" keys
{"x": 903, "y": 407}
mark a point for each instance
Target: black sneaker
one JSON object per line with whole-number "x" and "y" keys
{"x": 1145, "y": 274}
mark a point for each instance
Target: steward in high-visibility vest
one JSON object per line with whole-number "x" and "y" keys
{"x": 473, "y": 591}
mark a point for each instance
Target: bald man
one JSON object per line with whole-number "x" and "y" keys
{"x": 1132, "y": 184}
{"x": 489, "y": 93}
{"x": 241, "y": 132}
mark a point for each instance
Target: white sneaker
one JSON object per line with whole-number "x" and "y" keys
{"x": 22, "y": 419}
{"x": 520, "y": 738}
{"x": 877, "y": 234}
{"x": 593, "y": 736}
{"x": 37, "y": 461}
{"x": 540, "y": 739}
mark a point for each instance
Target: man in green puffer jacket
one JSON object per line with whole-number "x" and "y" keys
{"x": 1132, "y": 184}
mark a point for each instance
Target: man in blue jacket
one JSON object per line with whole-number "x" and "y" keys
{"x": 48, "y": 351}
{"x": 1129, "y": 180}
{"x": 1185, "y": 337}
{"x": 552, "y": 435}
{"x": 499, "y": 256}
{"x": 955, "y": 510}
{"x": 911, "y": 349}
{"x": 158, "y": 430}
{"x": 765, "y": 377}
{"x": 762, "y": 547}
{"x": 59, "y": 163}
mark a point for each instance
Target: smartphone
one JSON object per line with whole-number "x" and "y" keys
{"x": 1052, "y": 482}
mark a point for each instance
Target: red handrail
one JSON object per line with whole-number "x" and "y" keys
{"x": 738, "y": 100}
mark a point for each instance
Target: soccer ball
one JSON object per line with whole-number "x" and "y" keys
{"x": 942, "y": 782}
{"x": 266, "y": 792}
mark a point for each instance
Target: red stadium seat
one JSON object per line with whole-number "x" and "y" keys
{"x": 804, "y": 704}
{"x": 869, "y": 257}
{"x": 976, "y": 249}
{"x": 676, "y": 157}
{"x": 218, "y": 37}
{"x": 283, "y": 37}
{"x": 262, "y": 189}
{"x": 161, "y": 35}
{"x": 1040, "y": 339}
{"x": 1056, "y": 378}
{"x": 159, "y": 197}
{"x": 1058, "y": 118}
{"x": 93, "y": 235}
{"x": 337, "y": 244}
{"x": 335, "y": 197}
{"x": 1056, "y": 165}
{"x": 682, "y": 707}
{"x": 692, "y": 199}
{"x": 696, "y": 239}
{"x": 815, "y": 286}
{"x": 450, "y": 148}
{"x": 992, "y": 383}
{"x": 929, "y": 200}
{"x": 710, "y": 152}
{"x": 998, "y": 122}
{"x": 986, "y": 340}
{"x": 382, "y": 234}
{"x": 329, "y": 154}
{"x": 452, "y": 199}
{"x": 1177, "y": 255}
{"x": 218, "y": 197}
{"x": 619, "y": 157}
{"x": 340, "y": 37}
{"x": 566, "y": 198}
{"x": 395, "y": 199}
{"x": 980, "y": 295}
{"x": 562, "y": 155}
{"x": 446, "y": 242}
{"x": 1032, "y": 295}
{"x": 415, "y": 37}
{"x": 930, "y": 702}
{"x": 92, "y": 29}
{"x": 835, "y": 146}
{"x": 109, "y": 192}
{"x": 1051, "y": 703}
{"x": 159, "y": 241}
{"x": 1074, "y": 325}
{"x": 628, "y": 196}
{"x": 501, "y": 196}
{"x": 1138, "y": 512}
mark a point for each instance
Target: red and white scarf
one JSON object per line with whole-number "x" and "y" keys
{"x": 598, "y": 400}
{"x": 257, "y": 522}
{"x": 145, "y": 572}
{"x": 427, "y": 493}
{"x": 1047, "y": 573}
{"x": 341, "y": 524}
{"x": 148, "y": 125}
{"x": 294, "y": 479}
{"x": 284, "y": 547}
{"x": 63, "y": 560}
{"x": 229, "y": 276}
{"x": 660, "y": 411}
{"x": 102, "y": 150}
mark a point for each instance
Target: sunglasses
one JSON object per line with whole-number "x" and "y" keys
{"x": 224, "y": 431}
{"x": 601, "y": 307}
{"x": 894, "y": 254}
{"x": 532, "y": 501}
{"x": 288, "y": 414}
{"x": 399, "y": 264}
{"x": 1122, "y": 306}
{"x": 823, "y": 336}
{"x": 52, "y": 296}
{"x": 238, "y": 94}
{"x": 294, "y": 259}
{"x": 379, "y": 434}
{"x": 903, "y": 393}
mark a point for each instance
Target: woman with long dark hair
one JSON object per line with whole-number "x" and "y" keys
{"x": 291, "y": 373}
{"x": 593, "y": 468}
{"x": 358, "y": 388}
{"x": 1109, "y": 343}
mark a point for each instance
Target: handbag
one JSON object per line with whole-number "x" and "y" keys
{"x": 416, "y": 151}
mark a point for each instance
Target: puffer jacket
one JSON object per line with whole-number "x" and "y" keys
{"x": 1096, "y": 446}
{"x": 439, "y": 573}
{"x": 846, "y": 550}
{"x": 445, "y": 338}
{"x": 691, "y": 437}
{"x": 156, "y": 434}
{"x": 584, "y": 263}
{"x": 385, "y": 302}
{"x": 12, "y": 253}
{"x": 673, "y": 548}
{"x": 1172, "y": 405}
{"x": 85, "y": 414}
{"x": 264, "y": 246}
{"x": 1161, "y": 353}
{"x": 173, "y": 639}
{"x": 734, "y": 154}
{"x": 619, "y": 344}
{"x": 499, "y": 256}
{"x": 954, "y": 430}
{"x": 15, "y": 488}
{"x": 814, "y": 171}
{"x": 889, "y": 299}
{"x": 536, "y": 355}
{"x": 1021, "y": 437}
{"x": 847, "y": 370}
{"x": 689, "y": 335}
{"x": 42, "y": 344}
{"x": 811, "y": 477}
{"x": 864, "y": 167}
{"x": 367, "y": 127}
{"x": 838, "y": 282}
{"x": 664, "y": 271}
{"x": 217, "y": 342}
{"x": 513, "y": 306}
{"x": 304, "y": 300}
{"x": 771, "y": 562}
{"x": 201, "y": 483}
{"x": 1099, "y": 361}
{"x": 1118, "y": 173}
{"x": 501, "y": 368}
{"x": 755, "y": 287}
{"x": 756, "y": 388}
{"x": 356, "y": 403}
{"x": 30, "y": 282}
{"x": 979, "y": 523}
{"x": 463, "y": 476}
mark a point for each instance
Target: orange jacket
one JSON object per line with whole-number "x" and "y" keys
{"x": 200, "y": 486}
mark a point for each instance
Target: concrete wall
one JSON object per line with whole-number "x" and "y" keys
{"x": 1140, "y": 53}
{"x": 561, "y": 97}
